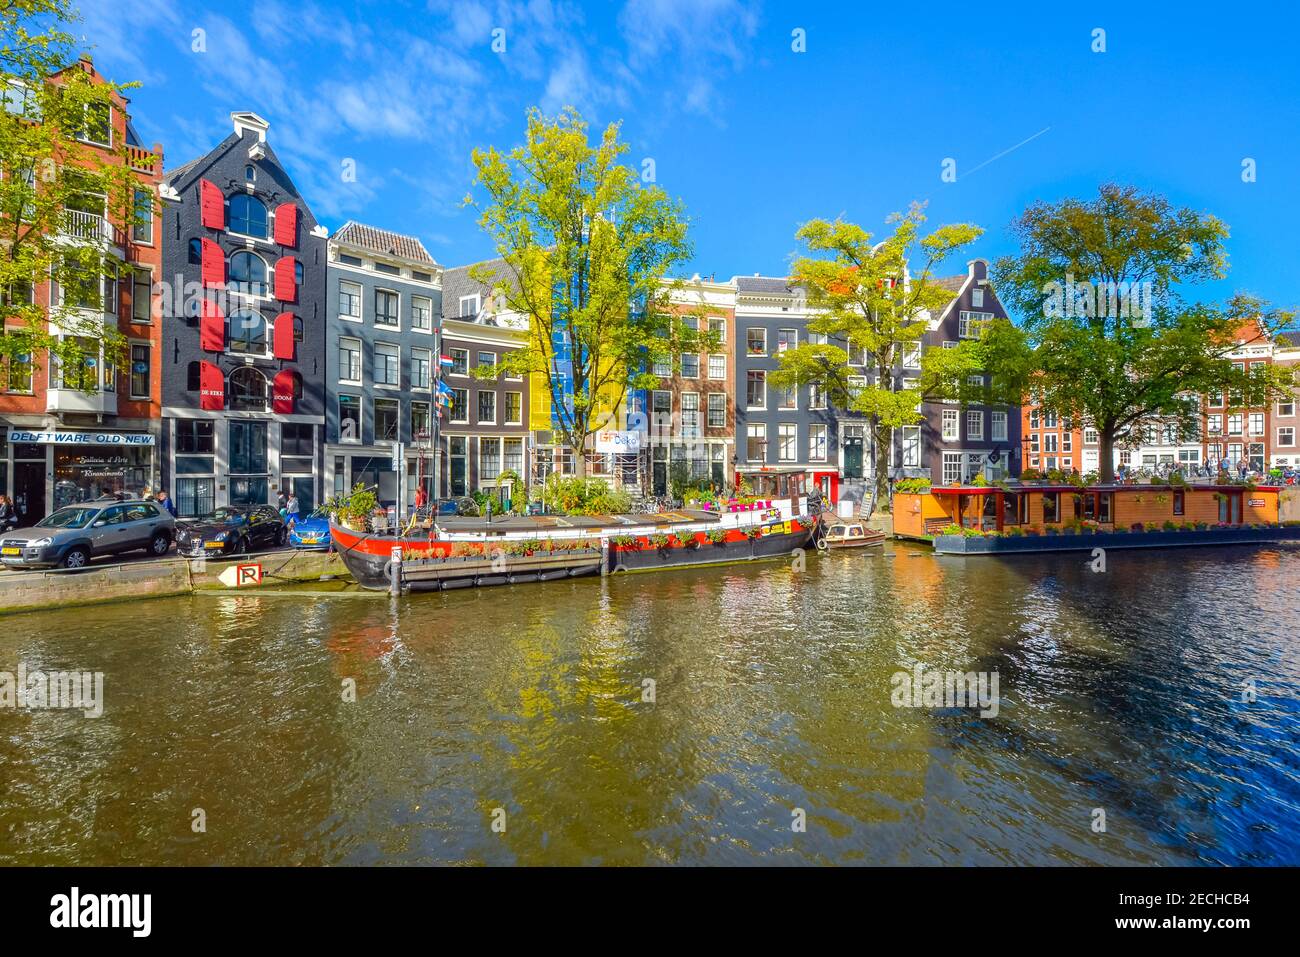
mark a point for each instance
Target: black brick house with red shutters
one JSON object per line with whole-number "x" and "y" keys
{"x": 243, "y": 355}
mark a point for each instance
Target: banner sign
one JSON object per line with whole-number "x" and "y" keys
{"x": 615, "y": 441}
{"x": 81, "y": 438}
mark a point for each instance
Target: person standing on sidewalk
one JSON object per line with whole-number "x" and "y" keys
{"x": 291, "y": 509}
{"x": 166, "y": 502}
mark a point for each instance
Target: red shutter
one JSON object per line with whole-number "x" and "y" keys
{"x": 212, "y": 205}
{"x": 212, "y": 327}
{"x": 214, "y": 264}
{"x": 212, "y": 387}
{"x": 286, "y": 290}
{"x": 282, "y": 342}
{"x": 286, "y": 225}
{"x": 282, "y": 389}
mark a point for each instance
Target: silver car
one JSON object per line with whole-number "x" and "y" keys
{"x": 73, "y": 535}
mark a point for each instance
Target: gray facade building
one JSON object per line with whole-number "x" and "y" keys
{"x": 786, "y": 443}
{"x": 384, "y": 306}
{"x": 958, "y": 442}
{"x": 243, "y": 344}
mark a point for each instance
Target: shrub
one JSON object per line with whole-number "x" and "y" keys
{"x": 585, "y": 496}
{"x": 625, "y": 541}
{"x": 1153, "y": 526}
{"x": 1030, "y": 475}
{"x": 1169, "y": 526}
{"x": 1052, "y": 530}
{"x": 1187, "y": 527}
{"x": 1201, "y": 526}
{"x": 953, "y": 529}
{"x": 717, "y": 536}
{"x": 753, "y": 532}
{"x": 659, "y": 540}
{"x": 910, "y": 486}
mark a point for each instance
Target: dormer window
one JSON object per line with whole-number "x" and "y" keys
{"x": 469, "y": 306}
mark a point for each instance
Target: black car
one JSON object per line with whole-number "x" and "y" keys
{"x": 232, "y": 530}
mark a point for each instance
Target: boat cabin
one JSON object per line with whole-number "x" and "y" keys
{"x": 993, "y": 508}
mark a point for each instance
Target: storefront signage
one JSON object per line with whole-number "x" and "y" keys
{"x": 615, "y": 441}
{"x": 81, "y": 438}
{"x": 1256, "y": 503}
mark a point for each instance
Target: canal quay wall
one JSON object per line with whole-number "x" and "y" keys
{"x": 131, "y": 581}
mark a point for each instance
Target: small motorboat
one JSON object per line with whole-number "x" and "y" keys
{"x": 841, "y": 534}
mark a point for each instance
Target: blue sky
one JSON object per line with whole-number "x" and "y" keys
{"x": 752, "y": 136}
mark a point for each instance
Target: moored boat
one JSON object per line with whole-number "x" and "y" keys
{"x": 851, "y": 534}
{"x": 468, "y": 553}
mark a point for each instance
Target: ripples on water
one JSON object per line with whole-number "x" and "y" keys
{"x": 1120, "y": 691}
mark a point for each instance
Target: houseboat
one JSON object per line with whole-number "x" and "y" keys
{"x": 1029, "y": 517}
{"x": 460, "y": 553}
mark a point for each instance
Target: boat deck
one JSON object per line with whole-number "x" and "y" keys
{"x": 549, "y": 523}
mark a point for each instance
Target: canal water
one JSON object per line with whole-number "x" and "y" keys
{"x": 227, "y": 737}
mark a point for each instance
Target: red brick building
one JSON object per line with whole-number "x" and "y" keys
{"x": 67, "y": 435}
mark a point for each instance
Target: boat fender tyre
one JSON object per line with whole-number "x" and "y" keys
{"x": 823, "y": 545}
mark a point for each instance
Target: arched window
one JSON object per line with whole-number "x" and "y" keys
{"x": 196, "y": 252}
{"x": 193, "y": 376}
{"x": 246, "y": 331}
{"x": 248, "y": 274}
{"x": 248, "y": 390}
{"x": 297, "y": 328}
{"x": 248, "y": 216}
{"x": 250, "y": 174}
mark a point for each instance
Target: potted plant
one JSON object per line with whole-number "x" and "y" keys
{"x": 717, "y": 536}
{"x": 659, "y": 541}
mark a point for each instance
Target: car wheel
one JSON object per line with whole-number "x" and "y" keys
{"x": 78, "y": 557}
{"x": 159, "y": 544}
{"x": 282, "y": 537}
{"x": 241, "y": 546}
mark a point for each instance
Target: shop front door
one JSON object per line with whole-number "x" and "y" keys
{"x": 29, "y": 491}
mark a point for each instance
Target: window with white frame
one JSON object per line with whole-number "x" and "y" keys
{"x": 662, "y": 367}
{"x": 756, "y": 442}
{"x": 756, "y": 341}
{"x": 1214, "y": 423}
{"x": 349, "y": 300}
{"x": 952, "y": 468}
{"x": 1286, "y": 408}
{"x": 469, "y": 306}
{"x": 690, "y": 365}
{"x": 977, "y": 297}
{"x": 816, "y": 443}
{"x": 998, "y": 426}
{"x": 487, "y": 407}
{"x": 388, "y": 364}
{"x": 974, "y": 425}
{"x": 350, "y": 360}
{"x": 1050, "y": 442}
{"x": 789, "y": 399}
{"x": 787, "y": 437}
{"x": 951, "y": 425}
{"x": 756, "y": 389}
{"x": 1234, "y": 423}
{"x": 1091, "y": 437}
{"x": 816, "y": 397}
{"x": 786, "y": 339}
{"x": 421, "y": 313}
{"x": 489, "y": 457}
{"x": 514, "y": 409}
{"x": 968, "y": 323}
{"x": 690, "y": 413}
{"x": 718, "y": 368}
{"x": 459, "y": 361}
{"x": 387, "y": 308}
{"x": 912, "y": 355}
{"x": 1286, "y": 436}
{"x": 717, "y": 410}
{"x": 910, "y": 440}
{"x": 1256, "y": 422}
{"x": 421, "y": 368}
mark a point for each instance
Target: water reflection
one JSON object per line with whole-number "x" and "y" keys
{"x": 1120, "y": 691}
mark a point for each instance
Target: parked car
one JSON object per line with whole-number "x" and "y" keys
{"x": 232, "y": 530}
{"x": 312, "y": 531}
{"x": 71, "y": 536}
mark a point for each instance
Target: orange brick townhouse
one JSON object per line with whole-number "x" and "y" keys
{"x": 70, "y": 434}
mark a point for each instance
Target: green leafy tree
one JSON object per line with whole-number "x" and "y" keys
{"x": 873, "y": 298}
{"x": 1109, "y": 339}
{"x": 586, "y": 247}
{"x": 61, "y": 197}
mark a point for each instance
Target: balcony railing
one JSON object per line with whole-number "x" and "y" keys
{"x": 78, "y": 224}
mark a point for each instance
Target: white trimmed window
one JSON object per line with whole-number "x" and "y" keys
{"x": 950, "y": 432}
{"x": 816, "y": 443}
{"x": 388, "y": 364}
{"x": 718, "y": 368}
{"x": 787, "y": 435}
{"x": 1286, "y": 436}
{"x": 998, "y": 426}
{"x": 350, "y": 361}
{"x": 974, "y": 425}
{"x": 910, "y": 436}
{"x": 717, "y": 410}
{"x": 421, "y": 313}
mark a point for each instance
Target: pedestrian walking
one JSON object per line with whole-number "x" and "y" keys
{"x": 291, "y": 509}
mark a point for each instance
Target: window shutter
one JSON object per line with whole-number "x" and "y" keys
{"x": 214, "y": 264}
{"x": 212, "y": 327}
{"x": 286, "y": 290}
{"x": 212, "y": 205}
{"x": 282, "y": 388}
{"x": 212, "y": 387}
{"x": 286, "y": 225}
{"x": 283, "y": 338}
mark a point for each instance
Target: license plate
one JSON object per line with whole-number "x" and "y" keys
{"x": 11, "y": 551}
{"x": 311, "y": 541}
{"x": 213, "y": 544}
